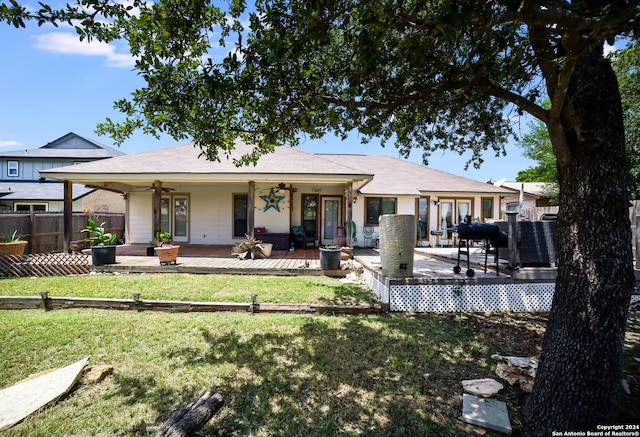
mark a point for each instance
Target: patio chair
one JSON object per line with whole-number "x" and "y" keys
{"x": 301, "y": 238}
{"x": 368, "y": 235}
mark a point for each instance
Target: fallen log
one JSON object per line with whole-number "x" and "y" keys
{"x": 185, "y": 422}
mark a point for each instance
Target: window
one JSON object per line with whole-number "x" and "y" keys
{"x": 165, "y": 221}
{"x": 239, "y": 215}
{"x": 13, "y": 169}
{"x": 310, "y": 213}
{"x": 464, "y": 210}
{"x": 423, "y": 218}
{"x": 377, "y": 206}
{"x": 487, "y": 208}
{"x": 30, "y": 207}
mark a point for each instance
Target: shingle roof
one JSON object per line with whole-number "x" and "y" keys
{"x": 17, "y": 191}
{"x": 185, "y": 160}
{"x": 80, "y": 148}
{"x": 397, "y": 176}
{"x": 540, "y": 189}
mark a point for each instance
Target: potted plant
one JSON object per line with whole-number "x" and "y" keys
{"x": 162, "y": 237}
{"x": 103, "y": 251}
{"x": 11, "y": 244}
{"x": 167, "y": 253}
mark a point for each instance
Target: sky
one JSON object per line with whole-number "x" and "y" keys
{"x": 53, "y": 84}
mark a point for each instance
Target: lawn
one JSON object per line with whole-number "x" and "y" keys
{"x": 196, "y": 288}
{"x": 279, "y": 374}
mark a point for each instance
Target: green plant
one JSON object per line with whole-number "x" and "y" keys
{"x": 99, "y": 237}
{"x": 7, "y": 237}
{"x": 162, "y": 237}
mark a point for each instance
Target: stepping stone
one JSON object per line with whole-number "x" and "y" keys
{"x": 486, "y": 387}
{"x": 488, "y": 413}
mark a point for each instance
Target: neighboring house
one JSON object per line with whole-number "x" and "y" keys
{"x": 535, "y": 195}
{"x": 205, "y": 202}
{"x": 23, "y": 189}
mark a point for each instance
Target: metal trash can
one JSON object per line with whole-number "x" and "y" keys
{"x": 397, "y": 236}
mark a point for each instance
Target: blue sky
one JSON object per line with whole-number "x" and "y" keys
{"x": 53, "y": 84}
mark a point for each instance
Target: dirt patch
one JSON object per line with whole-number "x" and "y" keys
{"x": 521, "y": 334}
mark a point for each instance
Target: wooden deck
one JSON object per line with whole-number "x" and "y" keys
{"x": 218, "y": 260}
{"x": 429, "y": 263}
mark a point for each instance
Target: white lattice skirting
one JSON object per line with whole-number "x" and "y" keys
{"x": 472, "y": 297}
{"x": 459, "y": 296}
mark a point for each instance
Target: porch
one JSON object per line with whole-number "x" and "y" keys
{"x": 429, "y": 263}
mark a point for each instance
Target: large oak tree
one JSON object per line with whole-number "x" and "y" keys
{"x": 444, "y": 74}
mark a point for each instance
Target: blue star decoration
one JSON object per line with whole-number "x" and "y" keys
{"x": 272, "y": 201}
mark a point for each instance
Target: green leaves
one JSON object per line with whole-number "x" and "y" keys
{"x": 435, "y": 75}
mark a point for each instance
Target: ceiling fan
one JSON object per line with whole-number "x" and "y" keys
{"x": 153, "y": 186}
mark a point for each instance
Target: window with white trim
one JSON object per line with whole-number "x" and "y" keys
{"x": 30, "y": 207}
{"x": 13, "y": 169}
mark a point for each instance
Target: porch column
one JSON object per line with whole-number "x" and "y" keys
{"x": 157, "y": 210}
{"x": 251, "y": 201}
{"x": 349, "y": 224}
{"x": 68, "y": 215}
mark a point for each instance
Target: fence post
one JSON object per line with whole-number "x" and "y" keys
{"x": 33, "y": 232}
{"x": 512, "y": 224}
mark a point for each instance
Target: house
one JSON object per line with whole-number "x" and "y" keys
{"x": 534, "y": 195}
{"x": 211, "y": 203}
{"x": 23, "y": 189}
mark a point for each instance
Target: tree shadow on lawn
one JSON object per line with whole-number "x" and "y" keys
{"x": 376, "y": 376}
{"x": 358, "y": 375}
{"x": 347, "y": 294}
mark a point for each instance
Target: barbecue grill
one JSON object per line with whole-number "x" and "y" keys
{"x": 488, "y": 232}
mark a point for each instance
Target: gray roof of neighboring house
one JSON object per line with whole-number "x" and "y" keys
{"x": 186, "y": 160}
{"x": 70, "y": 146}
{"x": 397, "y": 176}
{"x": 30, "y": 191}
{"x": 539, "y": 189}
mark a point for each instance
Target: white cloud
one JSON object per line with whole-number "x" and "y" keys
{"x": 9, "y": 143}
{"x": 609, "y": 49}
{"x": 70, "y": 44}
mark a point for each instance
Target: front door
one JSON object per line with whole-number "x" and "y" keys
{"x": 331, "y": 210}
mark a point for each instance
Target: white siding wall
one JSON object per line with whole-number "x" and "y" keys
{"x": 211, "y": 210}
{"x": 211, "y": 216}
{"x": 140, "y": 218}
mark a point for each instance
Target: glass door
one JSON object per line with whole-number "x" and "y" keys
{"x": 180, "y": 219}
{"x": 174, "y": 217}
{"x": 330, "y": 219}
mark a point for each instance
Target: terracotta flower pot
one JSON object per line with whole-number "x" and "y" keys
{"x": 15, "y": 248}
{"x": 167, "y": 254}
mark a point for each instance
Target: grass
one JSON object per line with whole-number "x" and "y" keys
{"x": 289, "y": 375}
{"x": 196, "y": 288}
{"x": 280, "y": 375}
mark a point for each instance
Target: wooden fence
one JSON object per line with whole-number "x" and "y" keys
{"x": 536, "y": 213}
{"x": 45, "y": 230}
{"x": 48, "y": 303}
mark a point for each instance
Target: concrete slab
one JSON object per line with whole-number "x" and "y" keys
{"x": 28, "y": 396}
{"x": 488, "y": 413}
{"x": 485, "y": 387}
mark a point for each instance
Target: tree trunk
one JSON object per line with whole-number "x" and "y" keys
{"x": 578, "y": 381}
